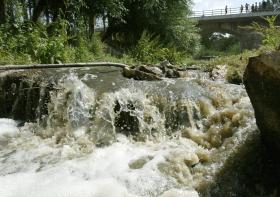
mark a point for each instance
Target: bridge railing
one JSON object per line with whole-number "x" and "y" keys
{"x": 231, "y": 11}
{"x": 216, "y": 12}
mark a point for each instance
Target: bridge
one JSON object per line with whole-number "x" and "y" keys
{"x": 234, "y": 21}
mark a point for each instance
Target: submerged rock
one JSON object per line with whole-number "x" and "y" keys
{"x": 154, "y": 73}
{"x": 262, "y": 79}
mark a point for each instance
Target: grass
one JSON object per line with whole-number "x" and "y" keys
{"x": 236, "y": 64}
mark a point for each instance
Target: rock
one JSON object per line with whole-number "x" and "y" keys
{"x": 165, "y": 63}
{"x": 140, "y": 75}
{"x": 171, "y": 73}
{"x": 152, "y": 70}
{"x": 23, "y": 95}
{"x": 154, "y": 73}
{"x": 128, "y": 72}
{"x": 139, "y": 163}
{"x": 125, "y": 121}
{"x": 219, "y": 73}
{"x": 262, "y": 81}
{"x": 137, "y": 74}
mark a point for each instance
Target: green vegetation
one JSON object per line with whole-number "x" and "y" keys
{"x": 235, "y": 59}
{"x": 137, "y": 31}
{"x": 270, "y": 33}
{"x": 150, "y": 50}
{"x": 57, "y": 31}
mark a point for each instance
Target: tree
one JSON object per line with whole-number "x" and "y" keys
{"x": 166, "y": 18}
{"x": 56, "y": 6}
{"x": 2, "y": 11}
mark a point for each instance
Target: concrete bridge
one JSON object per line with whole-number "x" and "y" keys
{"x": 235, "y": 21}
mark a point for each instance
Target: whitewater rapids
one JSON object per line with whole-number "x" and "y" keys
{"x": 113, "y": 137}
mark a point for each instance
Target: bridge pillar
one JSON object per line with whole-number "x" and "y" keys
{"x": 250, "y": 40}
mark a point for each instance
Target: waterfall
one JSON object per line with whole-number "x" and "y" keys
{"x": 91, "y": 132}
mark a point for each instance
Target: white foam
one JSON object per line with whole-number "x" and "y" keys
{"x": 8, "y": 127}
{"x": 104, "y": 173}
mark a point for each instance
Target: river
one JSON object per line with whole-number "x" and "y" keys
{"x": 104, "y": 135}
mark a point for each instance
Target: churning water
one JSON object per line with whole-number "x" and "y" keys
{"x": 103, "y": 135}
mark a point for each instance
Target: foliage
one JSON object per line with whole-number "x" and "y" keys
{"x": 270, "y": 33}
{"x": 235, "y": 64}
{"x": 96, "y": 46}
{"x": 37, "y": 45}
{"x": 65, "y": 30}
{"x": 150, "y": 50}
{"x": 166, "y": 19}
{"x": 34, "y": 41}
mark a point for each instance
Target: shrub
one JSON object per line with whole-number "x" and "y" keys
{"x": 35, "y": 43}
{"x": 149, "y": 50}
{"x": 270, "y": 33}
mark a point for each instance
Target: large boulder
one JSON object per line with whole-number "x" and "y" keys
{"x": 262, "y": 81}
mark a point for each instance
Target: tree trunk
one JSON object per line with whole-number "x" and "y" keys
{"x": 91, "y": 25}
{"x": 104, "y": 22}
{"x": 38, "y": 9}
{"x": 3, "y": 18}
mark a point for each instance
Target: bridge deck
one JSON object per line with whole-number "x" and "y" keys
{"x": 238, "y": 16}
{"x": 232, "y": 13}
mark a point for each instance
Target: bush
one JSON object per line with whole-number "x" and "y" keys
{"x": 270, "y": 33}
{"x": 96, "y": 46}
{"x": 35, "y": 42}
{"x": 149, "y": 50}
{"x": 26, "y": 43}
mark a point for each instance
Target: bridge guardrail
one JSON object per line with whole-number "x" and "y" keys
{"x": 231, "y": 11}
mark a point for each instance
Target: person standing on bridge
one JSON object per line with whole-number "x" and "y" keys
{"x": 241, "y": 9}
{"x": 247, "y": 7}
{"x": 263, "y": 5}
{"x": 226, "y": 10}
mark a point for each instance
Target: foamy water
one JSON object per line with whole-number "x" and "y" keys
{"x": 34, "y": 167}
{"x": 129, "y": 138}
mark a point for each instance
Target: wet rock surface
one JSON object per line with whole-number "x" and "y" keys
{"x": 219, "y": 73}
{"x": 262, "y": 79}
{"x": 155, "y": 73}
{"x": 22, "y": 95}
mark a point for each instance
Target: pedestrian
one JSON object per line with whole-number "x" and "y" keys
{"x": 226, "y": 10}
{"x": 253, "y": 8}
{"x": 263, "y": 5}
{"x": 256, "y": 7}
{"x": 241, "y": 9}
{"x": 247, "y": 7}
